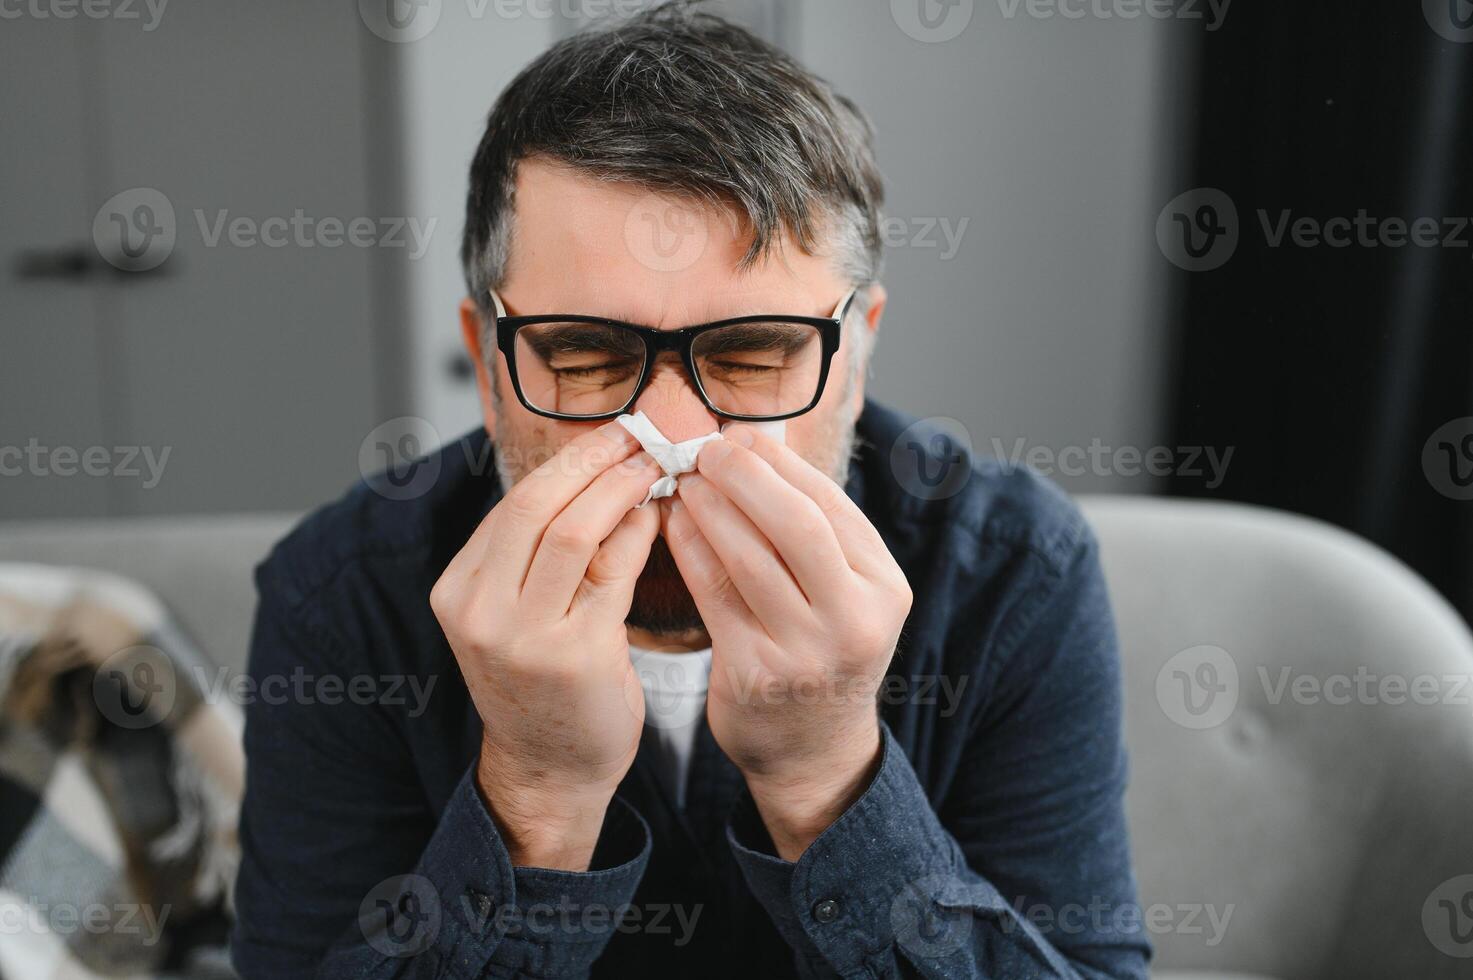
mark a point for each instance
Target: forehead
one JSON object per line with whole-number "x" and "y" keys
{"x": 615, "y": 249}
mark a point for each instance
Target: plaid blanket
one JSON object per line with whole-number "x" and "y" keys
{"x": 120, "y": 784}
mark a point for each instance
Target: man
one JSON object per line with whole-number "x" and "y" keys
{"x": 906, "y": 736}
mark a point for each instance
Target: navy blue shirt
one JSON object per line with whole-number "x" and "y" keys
{"x": 991, "y": 842}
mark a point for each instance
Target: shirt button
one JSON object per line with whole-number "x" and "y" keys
{"x": 826, "y": 911}
{"x": 482, "y": 903}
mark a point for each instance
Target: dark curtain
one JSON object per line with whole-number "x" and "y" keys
{"x": 1343, "y": 376}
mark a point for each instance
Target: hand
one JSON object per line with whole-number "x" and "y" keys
{"x": 534, "y": 608}
{"x": 804, "y": 604}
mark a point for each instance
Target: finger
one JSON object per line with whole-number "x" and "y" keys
{"x": 507, "y": 537}
{"x": 614, "y": 570}
{"x": 861, "y": 543}
{"x": 720, "y": 604}
{"x": 788, "y": 518}
{"x": 752, "y": 563}
{"x": 575, "y": 535}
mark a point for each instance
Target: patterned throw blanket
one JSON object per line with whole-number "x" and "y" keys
{"x": 120, "y": 783}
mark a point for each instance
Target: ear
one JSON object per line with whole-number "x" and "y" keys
{"x": 470, "y": 331}
{"x": 877, "y": 299}
{"x": 872, "y": 317}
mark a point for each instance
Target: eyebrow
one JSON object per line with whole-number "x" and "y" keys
{"x": 567, "y": 338}
{"x": 786, "y": 337}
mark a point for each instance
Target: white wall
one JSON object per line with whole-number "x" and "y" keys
{"x": 448, "y": 81}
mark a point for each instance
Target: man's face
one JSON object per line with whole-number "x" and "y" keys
{"x": 614, "y": 250}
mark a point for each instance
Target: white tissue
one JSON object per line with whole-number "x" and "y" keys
{"x": 677, "y": 458}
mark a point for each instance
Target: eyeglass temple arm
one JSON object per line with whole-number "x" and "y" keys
{"x": 843, "y": 304}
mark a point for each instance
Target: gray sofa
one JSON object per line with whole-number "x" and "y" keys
{"x": 1299, "y": 808}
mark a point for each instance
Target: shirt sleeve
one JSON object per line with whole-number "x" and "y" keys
{"x": 1023, "y": 868}
{"x": 346, "y": 871}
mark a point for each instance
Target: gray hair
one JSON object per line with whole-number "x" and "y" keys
{"x": 680, "y": 101}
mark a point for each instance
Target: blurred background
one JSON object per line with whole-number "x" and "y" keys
{"x": 1122, "y": 243}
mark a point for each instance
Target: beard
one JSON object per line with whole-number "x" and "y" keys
{"x": 662, "y": 602}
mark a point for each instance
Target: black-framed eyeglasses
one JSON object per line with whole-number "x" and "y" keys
{"x": 749, "y": 369}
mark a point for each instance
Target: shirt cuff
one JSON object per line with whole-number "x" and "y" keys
{"x": 535, "y": 922}
{"x": 854, "y": 893}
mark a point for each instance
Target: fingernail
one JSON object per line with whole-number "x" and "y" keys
{"x": 692, "y": 481}
{"x": 741, "y": 435}
{"x": 638, "y": 464}
{"x": 716, "y": 450}
{"x": 676, "y": 506}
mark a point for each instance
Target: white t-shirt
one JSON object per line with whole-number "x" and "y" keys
{"x": 674, "y": 701}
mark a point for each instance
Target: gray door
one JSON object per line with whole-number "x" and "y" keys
{"x": 227, "y": 141}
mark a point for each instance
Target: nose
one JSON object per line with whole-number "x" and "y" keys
{"x": 671, "y": 402}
